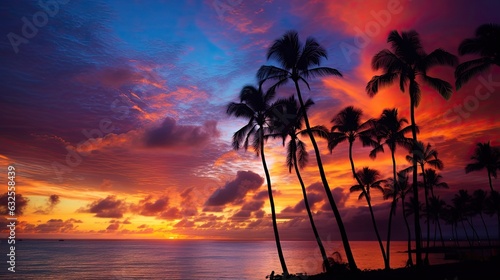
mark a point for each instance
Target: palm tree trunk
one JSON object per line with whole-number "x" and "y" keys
{"x": 410, "y": 259}
{"x": 466, "y": 234}
{"x": 326, "y": 263}
{"x": 336, "y": 213}
{"x": 367, "y": 196}
{"x": 393, "y": 208}
{"x": 271, "y": 202}
{"x": 426, "y": 194}
{"x": 489, "y": 179}
{"x": 416, "y": 210}
{"x": 440, "y": 232}
{"x": 376, "y": 232}
{"x": 485, "y": 228}
{"x": 474, "y": 232}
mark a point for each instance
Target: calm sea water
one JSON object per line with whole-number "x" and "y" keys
{"x": 179, "y": 260}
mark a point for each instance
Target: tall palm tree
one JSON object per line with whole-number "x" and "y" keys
{"x": 486, "y": 43}
{"x": 436, "y": 210}
{"x": 461, "y": 202}
{"x": 370, "y": 179}
{"x": 390, "y": 131}
{"x": 431, "y": 180}
{"x": 298, "y": 62}
{"x": 478, "y": 207}
{"x": 425, "y": 155}
{"x": 451, "y": 216}
{"x": 493, "y": 207}
{"x": 255, "y": 106}
{"x": 296, "y": 151}
{"x": 407, "y": 61}
{"x": 485, "y": 157}
{"x": 404, "y": 188}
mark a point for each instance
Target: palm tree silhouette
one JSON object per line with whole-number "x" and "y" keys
{"x": 431, "y": 180}
{"x": 407, "y": 60}
{"x": 485, "y": 157}
{"x": 478, "y": 207}
{"x": 425, "y": 155}
{"x": 486, "y": 43}
{"x": 400, "y": 192}
{"x": 295, "y": 61}
{"x": 493, "y": 207}
{"x": 461, "y": 202}
{"x": 451, "y": 216}
{"x": 296, "y": 151}
{"x": 370, "y": 179}
{"x": 256, "y": 107}
{"x": 436, "y": 210}
{"x": 390, "y": 131}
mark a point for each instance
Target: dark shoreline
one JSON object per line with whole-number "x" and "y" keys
{"x": 464, "y": 270}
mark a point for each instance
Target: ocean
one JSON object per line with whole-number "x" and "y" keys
{"x": 180, "y": 260}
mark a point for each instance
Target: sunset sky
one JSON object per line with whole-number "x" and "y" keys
{"x": 113, "y": 113}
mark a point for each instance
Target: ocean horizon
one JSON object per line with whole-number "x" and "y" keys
{"x": 183, "y": 259}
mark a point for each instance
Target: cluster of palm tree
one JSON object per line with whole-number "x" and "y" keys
{"x": 407, "y": 64}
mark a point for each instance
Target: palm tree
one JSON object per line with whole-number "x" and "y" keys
{"x": 485, "y": 157}
{"x": 404, "y": 188}
{"x": 461, "y": 202}
{"x": 486, "y": 43}
{"x": 295, "y": 61}
{"x": 255, "y": 106}
{"x": 425, "y": 155}
{"x": 406, "y": 61}
{"x": 436, "y": 210}
{"x": 347, "y": 126}
{"x": 390, "y": 131}
{"x": 493, "y": 207}
{"x": 451, "y": 216}
{"x": 370, "y": 179}
{"x": 478, "y": 207}
{"x": 432, "y": 180}
{"x": 297, "y": 156}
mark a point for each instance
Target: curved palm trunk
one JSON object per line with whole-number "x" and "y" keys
{"x": 474, "y": 232}
{"x": 336, "y": 213}
{"x": 367, "y": 196}
{"x": 426, "y": 194}
{"x": 416, "y": 210}
{"x": 393, "y": 208}
{"x": 410, "y": 259}
{"x": 440, "y": 231}
{"x": 271, "y": 202}
{"x": 466, "y": 234}
{"x": 489, "y": 180}
{"x": 326, "y": 263}
{"x": 485, "y": 228}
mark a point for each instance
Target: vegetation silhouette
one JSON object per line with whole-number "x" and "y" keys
{"x": 406, "y": 64}
{"x": 255, "y": 106}
{"x": 407, "y": 61}
{"x": 295, "y": 61}
{"x": 389, "y": 130}
{"x": 296, "y": 150}
{"x": 486, "y": 44}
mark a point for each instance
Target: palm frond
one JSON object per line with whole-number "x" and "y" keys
{"x": 321, "y": 72}
{"x": 443, "y": 87}
{"x": 380, "y": 81}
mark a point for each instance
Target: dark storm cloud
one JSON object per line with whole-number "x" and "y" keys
{"x": 109, "y": 207}
{"x": 170, "y": 134}
{"x": 20, "y": 204}
{"x": 234, "y": 191}
{"x": 152, "y": 208}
